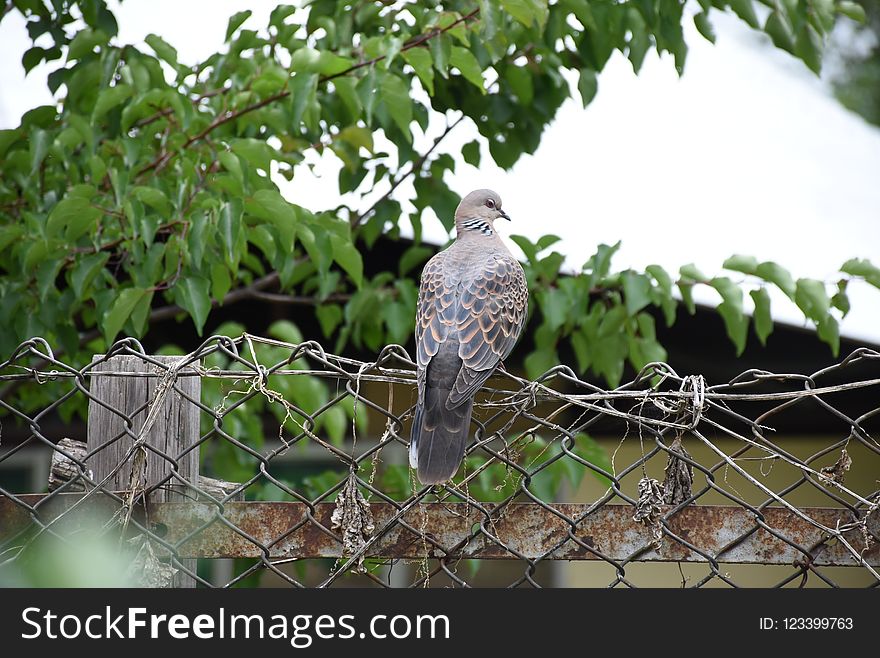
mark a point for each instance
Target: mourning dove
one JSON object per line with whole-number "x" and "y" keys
{"x": 472, "y": 307}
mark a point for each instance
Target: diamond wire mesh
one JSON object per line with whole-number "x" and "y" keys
{"x": 681, "y": 472}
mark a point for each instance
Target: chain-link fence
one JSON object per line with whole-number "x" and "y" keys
{"x": 253, "y": 461}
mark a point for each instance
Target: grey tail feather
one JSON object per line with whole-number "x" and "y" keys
{"x": 439, "y": 436}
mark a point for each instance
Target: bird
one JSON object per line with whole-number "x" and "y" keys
{"x": 472, "y": 304}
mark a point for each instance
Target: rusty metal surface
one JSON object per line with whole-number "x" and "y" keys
{"x": 458, "y": 530}
{"x": 61, "y": 510}
{"x": 523, "y": 529}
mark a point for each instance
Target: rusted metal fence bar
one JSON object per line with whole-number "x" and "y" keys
{"x": 292, "y": 530}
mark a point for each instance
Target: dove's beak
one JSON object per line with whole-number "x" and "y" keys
{"x": 505, "y": 215}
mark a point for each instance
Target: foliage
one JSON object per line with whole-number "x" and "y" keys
{"x": 148, "y": 192}
{"x": 856, "y": 81}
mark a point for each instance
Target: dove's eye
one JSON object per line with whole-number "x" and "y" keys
{"x": 490, "y": 203}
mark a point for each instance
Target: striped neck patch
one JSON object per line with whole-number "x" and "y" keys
{"x": 477, "y": 224}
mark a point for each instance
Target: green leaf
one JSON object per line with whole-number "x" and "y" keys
{"x": 667, "y": 301}
{"x": 46, "y": 274}
{"x": 763, "y": 321}
{"x": 555, "y": 307}
{"x": 527, "y": 12}
{"x": 731, "y": 311}
{"x": 746, "y": 11}
{"x": 589, "y": 450}
{"x": 412, "y": 257}
{"x": 346, "y": 89}
{"x": 74, "y": 215}
{"x": 162, "y": 48}
{"x": 599, "y": 264}
{"x": 192, "y": 295}
{"x": 85, "y": 42}
{"x": 744, "y": 264}
{"x": 256, "y": 152}
{"x": 324, "y": 62}
{"x": 274, "y": 208}
{"x": 280, "y": 13}
{"x": 808, "y": 46}
{"x": 588, "y": 85}
{"x": 7, "y": 139}
{"x": 729, "y": 291}
{"x": 441, "y": 51}
{"x": 774, "y": 273}
{"x": 84, "y": 272}
{"x": 546, "y": 241}
{"x": 422, "y": 63}
{"x": 704, "y": 26}
{"x": 320, "y": 258}
{"x": 303, "y": 90}
{"x": 39, "y": 146}
{"x": 399, "y": 320}
{"x": 609, "y": 354}
{"x": 348, "y": 258}
{"x": 329, "y": 316}
{"x": 221, "y": 282}
{"x": 829, "y": 332}
{"x": 141, "y": 314}
{"x": 152, "y": 197}
{"x": 36, "y": 253}
{"x": 779, "y": 30}
{"x": 840, "y": 300}
{"x": 471, "y": 153}
{"x": 862, "y": 267}
{"x": 32, "y": 57}
{"x": 120, "y": 311}
{"x": 549, "y": 265}
{"x": 335, "y": 424}
{"x": 692, "y": 272}
{"x": 852, "y": 10}
{"x": 581, "y": 346}
{"x": 266, "y": 239}
{"x": 687, "y": 296}
{"x": 9, "y": 234}
{"x": 812, "y": 298}
{"x": 357, "y": 136}
{"x": 490, "y": 18}
{"x": 520, "y": 80}
{"x": 528, "y": 248}
{"x": 661, "y": 277}
{"x": 539, "y": 362}
{"x": 395, "y": 96}
{"x": 110, "y": 98}
{"x": 288, "y": 332}
{"x": 737, "y": 325}
{"x": 232, "y": 164}
{"x": 229, "y": 224}
{"x": 235, "y": 22}
{"x": 636, "y": 292}
{"x": 467, "y": 64}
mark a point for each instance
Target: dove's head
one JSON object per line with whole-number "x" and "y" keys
{"x": 477, "y": 212}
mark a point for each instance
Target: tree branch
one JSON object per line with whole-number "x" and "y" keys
{"x": 233, "y": 296}
{"x": 358, "y": 219}
{"x": 298, "y": 300}
{"x": 163, "y": 158}
{"x": 140, "y": 123}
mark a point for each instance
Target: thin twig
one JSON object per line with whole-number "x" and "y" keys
{"x": 414, "y": 167}
{"x": 163, "y": 158}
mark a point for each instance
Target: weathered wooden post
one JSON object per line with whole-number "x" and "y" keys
{"x": 174, "y": 430}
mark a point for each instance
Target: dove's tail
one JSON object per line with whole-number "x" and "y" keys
{"x": 439, "y": 436}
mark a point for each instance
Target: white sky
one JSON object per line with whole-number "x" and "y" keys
{"x": 746, "y": 153}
